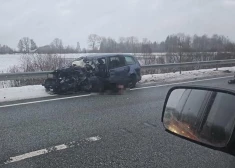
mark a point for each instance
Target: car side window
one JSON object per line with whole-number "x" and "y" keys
{"x": 100, "y": 60}
{"x": 116, "y": 61}
{"x": 129, "y": 60}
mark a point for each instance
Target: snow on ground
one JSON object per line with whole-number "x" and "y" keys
{"x": 5, "y": 84}
{"x": 37, "y": 91}
{"x": 24, "y": 92}
{"x": 8, "y": 60}
{"x": 168, "y": 77}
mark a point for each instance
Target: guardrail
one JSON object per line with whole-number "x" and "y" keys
{"x": 186, "y": 64}
{"x": 23, "y": 75}
{"x": 43, "y": 74}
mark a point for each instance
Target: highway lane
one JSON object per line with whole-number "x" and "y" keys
{"x": 129, "y": 127}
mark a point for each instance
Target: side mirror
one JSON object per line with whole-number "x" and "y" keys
{"x": 203, "y": 115}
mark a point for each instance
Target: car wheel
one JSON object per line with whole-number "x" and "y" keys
{"x": 133, "y": 81}
{"x": 47, "y": 89}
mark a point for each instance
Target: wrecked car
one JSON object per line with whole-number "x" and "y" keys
{"x": 96, "y": 73}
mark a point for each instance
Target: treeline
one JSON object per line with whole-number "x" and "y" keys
{"x": 57, "y": 46}
{"x": 173, "y": 43}
{"x": 5, "y": 49}
{"x": 27, "y": 45}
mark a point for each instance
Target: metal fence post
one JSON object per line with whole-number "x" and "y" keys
{"x": 180, "y": 63}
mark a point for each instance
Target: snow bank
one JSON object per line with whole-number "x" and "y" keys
{"x": 24, "y": 92}
{"x": 168, "y": 77}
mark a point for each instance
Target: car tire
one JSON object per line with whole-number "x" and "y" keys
{"x": 133, "y": 81}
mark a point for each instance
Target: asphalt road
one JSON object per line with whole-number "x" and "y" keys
{"x": 101, "y": 131}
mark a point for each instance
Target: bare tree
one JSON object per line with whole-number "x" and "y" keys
{"x": 5, "y": 49}
{"x": 56, "y": 42}
{"x": 33, "y": 45}
{"x": 122, "y": 44}
{"x": 147, "y": 52}
{"x": 78, "y": 48}
{"x": 69, "y": 49}
{"x": 57, "y": 45}
{"x": 84, "y": 50}
{"x": 20, "y": 45}
{"x": 94, "y": 41}
{"x": 122, "y": 40}
{"x": 108, "y": 45}
{"x": 133, "y": 41}
{"x": 26, "y": 43}
{"x": 145, "y": 41}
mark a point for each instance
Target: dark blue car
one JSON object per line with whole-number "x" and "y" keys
{"x": 116, "y": 68}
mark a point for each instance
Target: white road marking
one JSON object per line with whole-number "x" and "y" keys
{"x": 96, "y": 138}
{"x": 169, "y": 84}
{"x": 147, "y": 87}
{"x": 48, "y": 100}
{"x": 47, "y": 150}
{"x": 34, "y": 153}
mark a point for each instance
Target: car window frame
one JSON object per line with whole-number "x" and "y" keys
{"x": 134, "y": 61}
{"x": 119, "y": 56}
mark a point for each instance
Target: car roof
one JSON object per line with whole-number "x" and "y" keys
{"x": 104, "y": 55}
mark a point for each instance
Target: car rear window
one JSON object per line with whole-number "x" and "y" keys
{"x": 129, "y": 60}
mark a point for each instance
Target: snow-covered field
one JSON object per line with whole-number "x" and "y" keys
{"x": 9, "y": 60}
{"x": 37, "y": 91}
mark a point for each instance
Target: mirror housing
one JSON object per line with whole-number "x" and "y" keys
{"x": 203, "y": 115}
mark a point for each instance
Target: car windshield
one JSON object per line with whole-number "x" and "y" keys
{"x": 83, "y": 82}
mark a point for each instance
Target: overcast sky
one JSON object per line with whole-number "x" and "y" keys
{"x": 74, "y": 20}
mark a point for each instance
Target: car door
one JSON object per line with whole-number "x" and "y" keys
{"x": 134, "y": 66}
{"x": 118, "y": 70}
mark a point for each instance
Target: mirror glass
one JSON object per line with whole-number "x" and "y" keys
{"x": 201, "y": 115}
